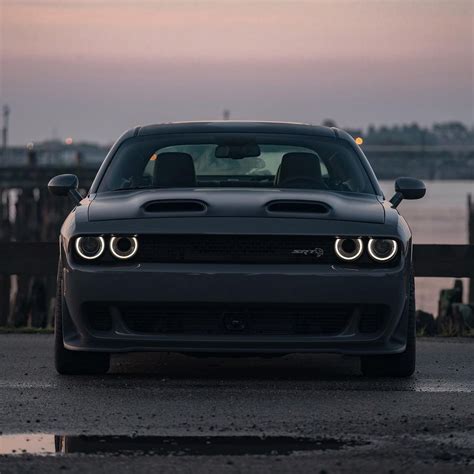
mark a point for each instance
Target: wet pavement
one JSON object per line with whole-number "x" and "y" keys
{"x": 172, "y": 413}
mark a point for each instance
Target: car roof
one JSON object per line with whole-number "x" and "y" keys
{"x": 240, "y": 126}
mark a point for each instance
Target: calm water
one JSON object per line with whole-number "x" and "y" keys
{"x": 439, "y": 218}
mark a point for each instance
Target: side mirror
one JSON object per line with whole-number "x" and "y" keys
{"x": 65, "y": 185}
{"x": 407, "y": 188}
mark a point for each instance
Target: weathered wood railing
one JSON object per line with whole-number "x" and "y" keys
{"x": 35, "y": 264}
{"x": 431, "y": 260}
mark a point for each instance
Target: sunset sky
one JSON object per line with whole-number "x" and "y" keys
{"x": 90, "y": 69}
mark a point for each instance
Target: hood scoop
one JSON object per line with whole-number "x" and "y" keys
{"x": 298, "y": 207}
{"x": 175, "y": 206}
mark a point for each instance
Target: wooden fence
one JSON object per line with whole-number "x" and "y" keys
{"x": 35, "y": 264}
{"x": 27, "y": 250}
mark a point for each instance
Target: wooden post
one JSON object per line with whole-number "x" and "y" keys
{"x": 470, "y": 236}
{"x": 5, "y": 280}
{"x": 25, "y": 229}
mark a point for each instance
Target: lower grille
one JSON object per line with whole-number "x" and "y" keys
{"x": 238, "y": 319}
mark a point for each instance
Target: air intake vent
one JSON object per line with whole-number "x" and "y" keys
{"x": 175, "y": 206}
{"x": 298, "y": 207}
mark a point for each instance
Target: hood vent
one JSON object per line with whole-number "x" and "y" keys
{"x": 298, "y": 207}
{"x": 175, "y": 206}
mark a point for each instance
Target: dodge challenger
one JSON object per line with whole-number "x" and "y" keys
{"x": 235, "y": 238}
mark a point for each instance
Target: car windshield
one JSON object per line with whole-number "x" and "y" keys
{"x": 236, "y": 160}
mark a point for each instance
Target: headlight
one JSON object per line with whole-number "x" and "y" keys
{"x": 382, "y": 250}
{"x": 349, "y": 249}
{"x": 90, "y": 247}
{"x": 123, "y": 247}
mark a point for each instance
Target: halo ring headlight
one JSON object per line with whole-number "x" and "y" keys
{"x": 348, "y": 249}
{"x": 382, "y": 255}
{"x": 94, "y": 251}
{"x": 123, "y": 248}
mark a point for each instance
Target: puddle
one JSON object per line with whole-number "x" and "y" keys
{"x": 47, "y": 444}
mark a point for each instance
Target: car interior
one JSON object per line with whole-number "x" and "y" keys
{"x": 244, "y": 164}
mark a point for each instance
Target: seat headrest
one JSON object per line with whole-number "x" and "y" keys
{"x": 299, "y": 170}
{"x": 174, "y": 170}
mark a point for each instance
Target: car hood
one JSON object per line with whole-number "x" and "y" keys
{"x": 158, "y": 203}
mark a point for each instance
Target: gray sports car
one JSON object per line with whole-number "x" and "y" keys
{"x": 235, "y": 237}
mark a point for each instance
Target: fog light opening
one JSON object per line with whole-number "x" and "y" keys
{"x": 90, "y": 247}
{"x": 123, "y": 248}
{"x": 348, "y": 249}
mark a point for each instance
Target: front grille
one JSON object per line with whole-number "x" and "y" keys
{"x": 236, "y": 249}
{"x": 235, "y": 319}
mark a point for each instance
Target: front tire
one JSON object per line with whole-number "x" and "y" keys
{"x": 396, "y": 365}
{"x": 71, "y": 362}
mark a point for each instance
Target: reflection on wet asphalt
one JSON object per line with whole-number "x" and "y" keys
{"x": 44, "y": 444}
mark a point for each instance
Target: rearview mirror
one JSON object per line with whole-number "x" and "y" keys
{"x": 407, "y": 188}
{"x": 65, "y": 185}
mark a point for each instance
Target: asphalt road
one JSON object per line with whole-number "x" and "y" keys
{"x": 293, "y": 414}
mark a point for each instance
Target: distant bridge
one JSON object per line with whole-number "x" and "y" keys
{"x": 424, "y": 162}
{"x": 38, "y": 176}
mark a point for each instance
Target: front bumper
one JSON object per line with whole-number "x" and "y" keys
{"x": 220, "y": 284}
